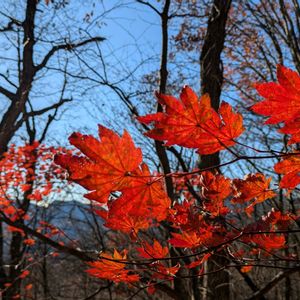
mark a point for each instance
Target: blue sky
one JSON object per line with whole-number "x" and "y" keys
{"x": 132, "y": 35}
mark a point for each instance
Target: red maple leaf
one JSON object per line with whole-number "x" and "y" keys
{"x": 24, "y": 274}
{"x": 190, "y": 239}
{"x": 124, "y": 222}
{"x": 271, "y": 221}
{"x": 282, "y": 102}
{"x": 112, "y": 268}
{"x": 156, "y": 250}
{"x": 165, "y": 273}
{"x": 269, "y": 242}
{"x": 185, "y": 240}
{"x": 254, "y": 186}
{"x": 290, "y": 168}
{"x": 107, "y": 166}
{"x": 147, "y": 197}
{"x": 193, "y": 123}
{"x": 215, "y": 189}
{"x": 246, "y": 269}
{"x": 199, "y": 261}
{"x": 292, "y": 128}
{"x": 179, "y": 214}
{"x": 278, "y": 219}
{"x": 113, "y": 164}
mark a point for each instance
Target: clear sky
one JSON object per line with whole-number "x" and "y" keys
{"x": 132, "y": 34}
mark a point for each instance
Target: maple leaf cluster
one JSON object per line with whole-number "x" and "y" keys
{"x": 282, "y": 102}
{"x": 113, "y": 164}
{"x": 193, "y": 123}
{"x": 110, "y": 267}
{"x": 133, "y": 200}
{"x": 282, "y": 105}
{"x": 27, "y": 174}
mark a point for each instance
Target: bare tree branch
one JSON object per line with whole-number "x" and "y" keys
{"x": 149, "y": 5}
{"x": 66, "y": 46}
{"x": 72, "y": 251}
{"x": 40, "y": 112}
{"x": 7, "y": 93}
{"x": 12, "y": 21}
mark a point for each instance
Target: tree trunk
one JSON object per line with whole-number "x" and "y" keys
{"x": 160, "y": 150}
{"x": 8, "y": 124}
{"x": 217, "y": 284}
{"x": 182, "y": 289}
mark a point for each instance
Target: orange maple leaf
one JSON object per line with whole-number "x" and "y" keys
{"x": 193, "y": 123}
{"x": 189, "y": 239}
{"x": 199, "y": 261}
{"x": 282, "y": 102}
{"x": 124, "y": 222}
{"x": 269, "y": 242}
{"x": 279, "y": 220}
{"x": 141, "y": 203}
{"x": 246, "y": 269}
{"x": 254, "y": 186}
{"x": 24, "y": 274}
{"x": 107, "y": 166}
{"x": 153, "y": 251}
{"x": 108, "y": 267}
{"x": 215, "y": 189}
{"x": 147, "y": 197}
{"x": 114, "y": 164}
{"x": 290, "y": 168}
{"x": 292, "y": 128}
{"x": 165, "y": 273}
{"x": 28, "y": 286}
{"x": 29, "y": 242}
{"x": 270, "y": 222}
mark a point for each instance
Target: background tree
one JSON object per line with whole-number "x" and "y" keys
{"x": 32, "y": 54}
